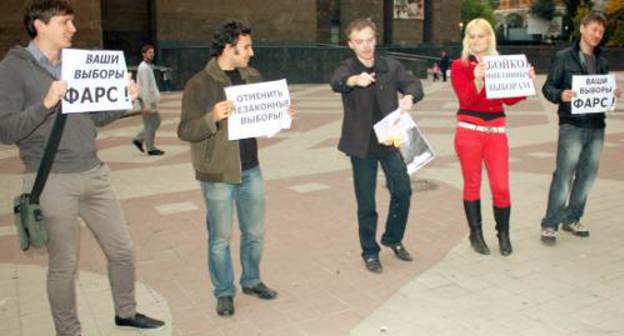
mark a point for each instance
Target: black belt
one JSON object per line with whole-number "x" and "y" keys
{"x": 481, "y": 115}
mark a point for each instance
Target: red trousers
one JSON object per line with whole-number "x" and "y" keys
{"x": 473, "y": 148}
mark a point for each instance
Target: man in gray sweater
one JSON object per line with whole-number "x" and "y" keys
{"x": 150, "y": 97}
{"x": 79, "y": 184}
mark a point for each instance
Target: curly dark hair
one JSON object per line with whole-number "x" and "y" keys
{"x": 228, "y": 33}
{"x": 44, "y": 10}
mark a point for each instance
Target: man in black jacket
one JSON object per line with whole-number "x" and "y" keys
{"x": 581, "y": 136}
{"x": 369, "y": 85}
{"x": 445, "y": 62}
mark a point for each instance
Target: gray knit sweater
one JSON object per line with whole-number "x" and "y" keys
{"x": 25, "y": 121}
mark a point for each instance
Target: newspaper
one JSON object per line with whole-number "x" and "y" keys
{"x": 404, "y": 133}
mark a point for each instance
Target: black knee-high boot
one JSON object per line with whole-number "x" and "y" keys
{"x": 501, "y": 215}
{"x": 473, "y": 215}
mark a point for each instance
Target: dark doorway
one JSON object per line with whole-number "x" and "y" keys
{"x": 388, "y": 19}
{"x": 328, "y": 21}
{"x": 128, "y": 25}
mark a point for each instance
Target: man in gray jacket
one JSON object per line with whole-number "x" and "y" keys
{"x": 150, "y": 97}
{"x": 79, "y": 184}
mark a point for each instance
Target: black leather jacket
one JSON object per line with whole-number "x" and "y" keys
{"x": 566, "y": 64}
{"x": 390, "y": 78}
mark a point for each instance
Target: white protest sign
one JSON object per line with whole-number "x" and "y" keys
{"x": 260, "y": 109}
{"x": 594, "y": 94}
{"x": 507, "y": 76}
{"x": 96, "y": 81}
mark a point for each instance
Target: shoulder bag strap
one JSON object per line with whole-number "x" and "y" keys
{"x": 48, "y": 155}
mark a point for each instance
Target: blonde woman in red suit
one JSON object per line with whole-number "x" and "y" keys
{"x": 480, "y": 135}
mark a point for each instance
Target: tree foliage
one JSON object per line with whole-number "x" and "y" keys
{"x": 572, "y": 7}
{"x": 615, "y": 12}
{"x": 615, "y": 8}
{"x": 472, "y": 9}
{"x": 544, "y": 9}
{"x": 581, "y": 11}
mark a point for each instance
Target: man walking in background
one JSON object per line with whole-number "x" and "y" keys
{"x": 149, "y": 98}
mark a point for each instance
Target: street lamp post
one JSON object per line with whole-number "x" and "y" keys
{"x": 461, "y": 31}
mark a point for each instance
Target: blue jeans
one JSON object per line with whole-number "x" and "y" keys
{"x": 578, "y": 155}
{"x": 249, "y": 199}
{"x": 365, "y": 183}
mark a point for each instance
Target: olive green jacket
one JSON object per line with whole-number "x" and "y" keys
{"x": 214, "y": 157}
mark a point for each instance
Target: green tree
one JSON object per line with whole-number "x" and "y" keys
{"x": 572, "y": 7}
{"x": 581, "y": 11}
{"x": 615, "y": 13}
{"x": 544, "y": 9}
{"x": 472, "y": 9}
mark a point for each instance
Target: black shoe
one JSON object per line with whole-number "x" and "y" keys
{"x": 225, "y": 306}
{"x": 139, "y": 321}
{"x": 373, "y": 264}
{"x": 155, "y": 152}
{"x": 260, "y": 290}
{"x": 400, "y": 252}
{"x": 138, "y": 145}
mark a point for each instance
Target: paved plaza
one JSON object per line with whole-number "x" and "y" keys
{"x": 312, "y": 255}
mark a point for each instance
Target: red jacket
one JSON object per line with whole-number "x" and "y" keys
{"x": 462, "y": 77}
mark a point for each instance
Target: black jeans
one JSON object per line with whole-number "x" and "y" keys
{"x": 365, "y": 183}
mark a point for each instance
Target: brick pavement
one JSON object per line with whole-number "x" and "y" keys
{"x": 312, "y": 254}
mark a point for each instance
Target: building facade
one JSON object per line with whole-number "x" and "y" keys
{"x": 126, "y": 25}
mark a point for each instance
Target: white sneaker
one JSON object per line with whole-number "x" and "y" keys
{"x": 577, "y": 229}
{"x": 549, "y": 236}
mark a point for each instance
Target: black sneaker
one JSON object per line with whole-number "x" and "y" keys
{"x": 373, "y": 264}
{"x": 400, "y": 252}
{"x": 140, "y": 321}
{"x": 225, "y": 305}
{"x": 139, "y": 145}
{"x": 155, "y": 151}
{"x": 260, "y": 290}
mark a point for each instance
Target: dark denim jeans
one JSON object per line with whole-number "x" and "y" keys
{"x": 578, "y": 155}
{"x": 365, "y": 183}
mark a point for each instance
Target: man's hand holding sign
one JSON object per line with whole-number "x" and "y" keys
{"x": 55, "y": 94}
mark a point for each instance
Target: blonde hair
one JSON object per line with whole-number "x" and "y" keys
{"x": 483, "y": 24}
{"x": 360, "y": 24}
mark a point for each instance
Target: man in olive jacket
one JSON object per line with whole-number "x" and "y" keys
{"x": 581, "y": 136}
{"x": 228, "y": 171}
{"x": 369, "y": 85}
